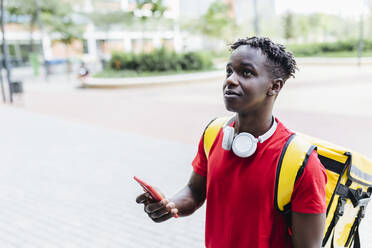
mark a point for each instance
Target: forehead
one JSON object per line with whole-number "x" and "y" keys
{"x": 245, "y": 54}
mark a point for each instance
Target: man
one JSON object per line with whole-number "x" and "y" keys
{"x": 240, "y": 188}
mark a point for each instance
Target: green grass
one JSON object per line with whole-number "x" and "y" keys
{"x": 110, "y": 73}
{"x": 338, "y": 55}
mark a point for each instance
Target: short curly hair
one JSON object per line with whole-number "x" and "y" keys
{"x": 281, "y": 63}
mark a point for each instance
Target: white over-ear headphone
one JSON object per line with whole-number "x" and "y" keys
{"x": 244, "y": 144}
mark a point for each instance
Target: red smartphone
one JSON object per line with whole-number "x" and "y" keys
{"x": 149, "y": 189}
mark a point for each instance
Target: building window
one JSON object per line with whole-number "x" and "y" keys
{"x": 85, "y": 47}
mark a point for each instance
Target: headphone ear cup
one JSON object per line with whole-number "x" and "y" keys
{"x": 244, "y": 145}
{"x": 228, "y": 137}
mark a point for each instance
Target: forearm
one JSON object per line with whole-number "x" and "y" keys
{"x": 187, "y": 201}
{"x": 307, "y": 230}
{"x": 300, "y": 244}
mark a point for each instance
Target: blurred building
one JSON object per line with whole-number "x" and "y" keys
{"x": 98, "y": 42}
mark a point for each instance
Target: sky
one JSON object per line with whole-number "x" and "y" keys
{"x": 339, "y": 7}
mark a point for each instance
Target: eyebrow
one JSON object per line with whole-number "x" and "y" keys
{"x": 243, "y": 64}
{"x": 248, "y": 64}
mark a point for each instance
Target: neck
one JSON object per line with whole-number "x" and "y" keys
{"x": 254, "y": 123}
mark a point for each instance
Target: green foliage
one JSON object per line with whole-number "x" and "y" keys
{"x": 156, "y": 7}
{"x": 106, "y": 20}
{"x": 196, "y": 61}
{"x": 320, "y": 49}
{"x": 160, "y": 60}
{"x": 55, "y": 16}
{"x": 288, "y": 25}
{"x": 316, "y": 26}
{"x": 64, "y": 27}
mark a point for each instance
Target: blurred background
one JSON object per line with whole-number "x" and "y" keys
{"x": 54, "y": 33}
{"x": 94, "y": 92}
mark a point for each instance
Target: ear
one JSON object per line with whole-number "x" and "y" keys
{"x": 276, "y": 86}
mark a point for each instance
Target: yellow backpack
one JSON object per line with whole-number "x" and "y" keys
{"x": 348, "y": 189}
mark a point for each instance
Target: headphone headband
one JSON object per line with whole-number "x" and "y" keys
{"x": 269, "y": 133}
{"x": 264, "y": 136}
{"x": 244, "y": 144}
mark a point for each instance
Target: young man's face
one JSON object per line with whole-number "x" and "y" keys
{"x": 247, "y": 80}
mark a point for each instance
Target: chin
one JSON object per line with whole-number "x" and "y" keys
{"x": 232, "y": 108}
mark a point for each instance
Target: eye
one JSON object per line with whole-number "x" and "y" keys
{"x": 228, "y": 72}
{"x": 247, "y": 73}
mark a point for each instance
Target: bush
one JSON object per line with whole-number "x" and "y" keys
{"x": 120, "y": 60}
{"x": 314, "y": 49}
{"x": 305, "y": 49}
{"x": 160, "y": 60}
{"x": 196, "y": 61}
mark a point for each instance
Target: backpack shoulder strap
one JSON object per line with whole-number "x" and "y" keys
{"x": 291, "y": 165}
{"x": 211, "y": 132}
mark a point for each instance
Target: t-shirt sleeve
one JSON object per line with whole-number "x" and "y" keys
{"x": 200, "y": 161}
{"x": 309, "y": 191}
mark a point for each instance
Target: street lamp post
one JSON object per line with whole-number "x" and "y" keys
{"x": 1, "y": 84}
{"x": 5, "y": 53}
{"x": 41, "y": 27}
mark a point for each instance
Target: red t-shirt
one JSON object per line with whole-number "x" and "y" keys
{"x": 240, "y": 194}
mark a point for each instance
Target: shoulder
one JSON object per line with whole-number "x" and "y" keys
{"x": 314, "y": 174}
{"x": 314, "y": 167}
{"x": 281, "y": 136}
{"x": 309, "y": 194}
{"x": 283, "y": 129}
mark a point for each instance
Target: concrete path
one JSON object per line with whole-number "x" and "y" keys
{"x": 65, "y": 184}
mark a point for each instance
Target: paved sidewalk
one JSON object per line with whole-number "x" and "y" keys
{"x": 70, "y": 185}
{"x": 65, "y": 184}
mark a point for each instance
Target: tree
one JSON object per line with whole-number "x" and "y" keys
{"x": 147, "y": 10}
{"x": 288, "y": 25}
{"x": 153, "y": 8}
{"x": 106, "y": 21}
{"x": 29, "y": 11}
{"x": 53, "y": 16}
{"x": 62, "y": 25}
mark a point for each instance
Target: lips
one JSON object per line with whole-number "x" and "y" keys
{"x": 231, "y": 93}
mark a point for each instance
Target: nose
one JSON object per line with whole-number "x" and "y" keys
{"x": 232, "y": 80}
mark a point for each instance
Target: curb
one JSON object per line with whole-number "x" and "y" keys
{"x": 334, "y": 61}
{"x": 115, "y": 83}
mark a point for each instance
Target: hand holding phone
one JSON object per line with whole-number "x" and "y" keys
{"x": 154, "y": 194}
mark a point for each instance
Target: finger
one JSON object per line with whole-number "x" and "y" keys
{"x": 170, "y": 205}
{"x": 159, "y": 213}
{"x": 142, "y": 198}
{"x": 163, "y": 218}
{"x": 174, "y": 212}
{"x": 153, "y": 207}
